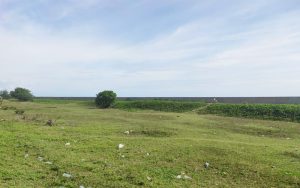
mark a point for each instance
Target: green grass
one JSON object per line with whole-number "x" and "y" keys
{"x": 241, "y": 152}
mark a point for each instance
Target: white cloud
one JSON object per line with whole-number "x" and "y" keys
{"x": 203, "y": 57}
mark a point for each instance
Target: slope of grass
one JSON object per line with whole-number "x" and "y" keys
{"x": 241, "y": 152}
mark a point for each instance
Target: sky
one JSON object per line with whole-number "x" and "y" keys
{"x": 151, "y": 48}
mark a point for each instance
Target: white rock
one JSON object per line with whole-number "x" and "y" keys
{"x": 148, "y": 178}
{"x": 183, "y": 176}
{"x": 126, "y": 132}
{"x": 68, "y": 144}
{"x": 26, "y": 155}
{"x": 49, "y": 162}
{"x": 81, "y": 186}
{"x": 206, "y": 164}
{"x": 147, "y": 154}
{"x": 123, "y": 156}
{"x": 67, "y": 175}
{"x": 40, "y": 158}
{"x": 187, "y": 177}
{"x": 120, "y": 146}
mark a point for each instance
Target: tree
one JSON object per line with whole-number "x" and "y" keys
{"x": 105, "y": 99}
{"x": 22, "y": 94}
{"x": 4, "y": 94}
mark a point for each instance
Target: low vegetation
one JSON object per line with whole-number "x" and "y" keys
{"x": 258, "y": 111}
{"x": 159, "y": 105}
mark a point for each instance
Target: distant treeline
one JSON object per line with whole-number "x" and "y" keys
{"x": 258, "y": 111}
{"x": 230, "y": 100}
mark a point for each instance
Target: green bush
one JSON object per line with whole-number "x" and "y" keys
{"x": 105, "y": 99}
{"x": 159, "y": 105}
{"x": 22, "y": 94}
{"x": 259, "y": 111}
{"x": 4, "y": 94}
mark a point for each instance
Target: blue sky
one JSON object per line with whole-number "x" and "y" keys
{"x": 151, "y": 48}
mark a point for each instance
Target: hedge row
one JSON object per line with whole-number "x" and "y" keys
{"x": 159, "y": 105}
{"x": 259, "y": 111}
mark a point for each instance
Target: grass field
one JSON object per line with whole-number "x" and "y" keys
{"x": 84, "y": 141}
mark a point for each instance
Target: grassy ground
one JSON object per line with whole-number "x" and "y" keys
{"x": 241, "y": 152}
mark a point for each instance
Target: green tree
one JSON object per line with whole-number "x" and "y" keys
{"x": 22, "y": 94}
{"x": 105, "y": 99}
{"x": 4, "y": 94}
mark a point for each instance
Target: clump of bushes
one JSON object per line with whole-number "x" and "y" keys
{"x": 19, "y": 112}
{"x": 22, "y": 94}
{"x": 159, "y": 105}
{"x": 4, "y": 94}
{"x": 105, "y": 99}
{"x": 259, "y": 111}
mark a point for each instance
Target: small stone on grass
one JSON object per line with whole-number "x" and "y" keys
{"x": 120, "y": 146}
{"x": 67, "y": 175}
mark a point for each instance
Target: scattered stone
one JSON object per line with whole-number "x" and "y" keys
{"x": 67, "y": 175}
{"x": 149, "y": 178}
{"x": 2, "y": 120}
{"x": 126, "y": 132}
{"x": 288, "y": 138}
{"x": 81, "y": 186}
{"x": 50, "y": 122}
{"x": 183, "y": 176}
{"x": 206, "y": 165}
{"x": 26, "y": 155}
{"x": 187, "y": 177}
{"x": 147, "y": 154}
{"x": 123, "y": 156}
{"x": 68, "y": 144}
{"x": 120, "y": 146}
{"x": 49, "y": 162}
{"x": 40, "y": 158}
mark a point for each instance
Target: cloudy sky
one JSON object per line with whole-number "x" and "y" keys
{"x": 151, "y": 47}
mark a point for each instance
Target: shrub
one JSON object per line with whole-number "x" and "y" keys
{"x": 22, "y": 94}
{"x": 259, "y": 111}
{"x": 4, "y": 94}
{"x": 19, "y": 112}
{"x": 105, "y": 99}
{"x": 160, "y": 105}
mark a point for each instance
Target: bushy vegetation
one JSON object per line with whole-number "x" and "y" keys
{"x": 105, "y": 99}
{"x": 22, "y": 94}
{"x": 159, "y": 105}
{"x": 4, "y": 94}
{"x": 259, "y": 111}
